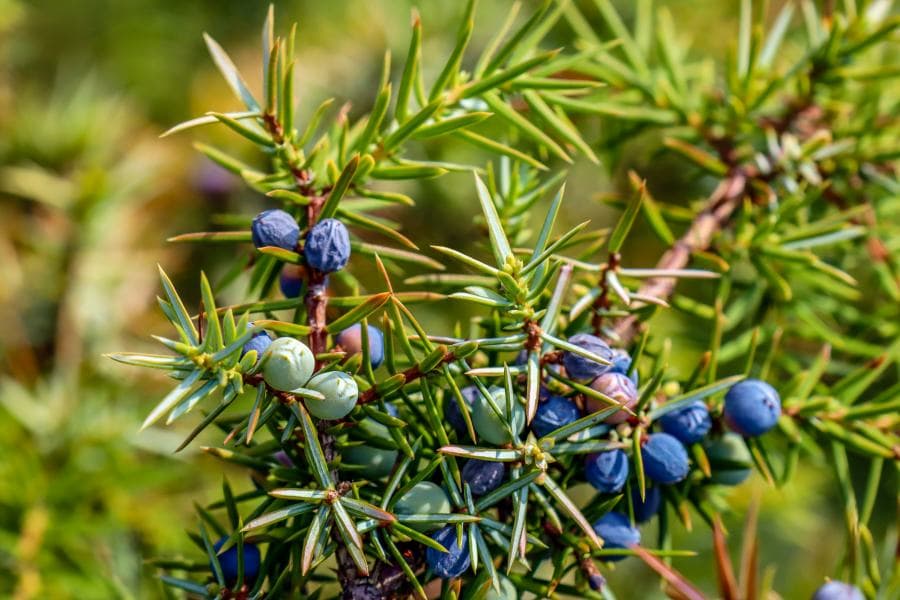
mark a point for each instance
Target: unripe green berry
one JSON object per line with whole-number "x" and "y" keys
{"x": 340, "y": 391}
{"x": 491, "y": 426}
{"x": 287, "y": 364}
{"x": 424, "y": 498}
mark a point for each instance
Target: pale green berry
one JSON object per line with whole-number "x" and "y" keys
{"x": 424, "y": 498}
{"x": 507, "y": 591}
{"x": 287, "y": 364}
{"x": 375, "y": 463}
{"x": 489, "y": 425}
{"x": 340, "y": 391}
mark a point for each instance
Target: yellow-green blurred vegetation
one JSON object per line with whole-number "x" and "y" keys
{"x": 88, "y": 195}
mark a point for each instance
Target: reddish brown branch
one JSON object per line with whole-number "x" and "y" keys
{"x": 722, "y": 203}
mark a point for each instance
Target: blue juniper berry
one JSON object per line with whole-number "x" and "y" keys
{"x": 455, "y": 561}
{"x": 553, "y": 413}
{"x": 291, "y": 281}
{"x": 607, "y": 471}
{"x": 752, "y": 407}
{"x": 275, "y": 227}
{"x": 483, "y": 476}
{"x": 350, "y": 340}
{"x": 838, "y": 590}
{"x": 689, "y": 424}
{"x": 228, "y": 560}
{"x": 617, "y": 532}
{"x": 620, "y": 388}
{"x": 621, "y": 362}
{"x": 581, "y": 368}
{"x": 451, "y": 408}
{"x": 645, "y": 509}
{"x": 259, "y": 342}
{"x": 327, "y": 246}
{"x": 665, "y": 459}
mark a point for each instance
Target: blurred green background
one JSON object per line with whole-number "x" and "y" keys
{"x": 88, "y": 194}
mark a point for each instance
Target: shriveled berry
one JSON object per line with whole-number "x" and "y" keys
{"x": 618, "y": 387}
{"x": 617, "y": 532}
{"x": 689, "y": 423}
{"x": 260, "y": 342}
{"x": 228, "y": 561}
{"x": 451, "y": 408}
{"x": 838, "y": 590}
{"x": 287, "y": 364}
{"x": 350, "y": 340}
{"x": 645, "y": 509}
{"x": 553, "y": 413}
{"x": 607, "y": 471}
{"x": 276, "y": 228}
{"x": 455, "y": 561}
{"x": 340, "y": 391}
{"x": 492, "y": 426}
{"x": 291, "y": 281}
{"x": 752, "y": 407}
{"x": 665, "y": 459}
{"x": 424, "y": 498}
{"x": 581, "y": 368}
{"x": 327, "y": 246}
{"x": 483, "y": 476}
{"x": 729, "y": 459}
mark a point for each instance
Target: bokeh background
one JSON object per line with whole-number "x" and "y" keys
{"x": 88, "y": 194}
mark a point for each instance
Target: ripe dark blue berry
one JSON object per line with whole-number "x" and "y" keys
{"x": 645, "y": 509}
{"x": 483, "y": 476}
{"x": 553, "y": 413}
{"x": 689, "y": 423}
{"x": 455, "y": 561}
{"x": 607, "y": 471}
{"x": 259, "y": 342}
{"x": 350, "y": 340}
{"x": 228, "y": 560}
{"x": 275, "y": 228}
{"x": 327, "y": 246}
{"x": 752, "y": 407}
{"x": 581, "y": 368}
{"x": 838, "y": 590}
{"x": 621, "y": 362}
{"x": 291, "y": 281}
{"x": 617, "y": 532}
{"x": 665, "y": 459}
{"x": 451, "y": 408}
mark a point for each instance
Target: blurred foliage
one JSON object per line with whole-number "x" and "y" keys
{"x": 87, "y": 193}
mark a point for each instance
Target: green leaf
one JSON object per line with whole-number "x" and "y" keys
{"x": 697, "y": 394}
{"x": 359, "y": 313}
{"x": 410, "y": 70}
{"x": 172, "y": 398}
{"x": 411, "y": 126}
{"x": 450, "y": 125}
{"x": 451, "y": 68}
{"x": 254, "y": 134}
{"x": 330, "y": 207}
{"x": 231, "y": 74}
{"x": 507, "y": 113}
{"x": 623, "y": 226}
{"x": 572, "y": 510}
{"x": 561, "y": 128}
{"x": 629, "y": 46}
{"x": 186, "y": 326}
{"x": 499, "y": 243}
{"x": 311, "y": 447}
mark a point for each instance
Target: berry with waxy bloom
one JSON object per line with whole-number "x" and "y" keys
{"x": 456, "y": 560}
{"x": 665, "y": 459}
{"x": 340, "y": 391}
{"x": 553, "y": 413}
{"x": 752, "y": 407}
{"x": 350, "y": 340}
{"x": 620, "y": 388}
{"x": 581, "y": 368}
{"x": 451, "y": 408}
{"x": 276, "y": 228}
{"x": 492, "y": 426}
{"x": 373, "y": 462}
{"x": 483, "y": 476}
{"x": 291, "y": 281}
{"x": 287, "y": 364}
{"x": 259, "y": 342}
{"x": 616, "y": 531}
{"x": 729, "y": 459}
{"x": 507, "y": 591}
{"x": 423, "y": 498}
{"x": 327, "y": 246}
{"x": 838, "y": 590}
{"x": 621, "y": 362}
{"x": 645, "y": 509}
{"x": 689, "y": 424}
{"x": 228, "y": 561}
{"x": 607, "y": 471}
